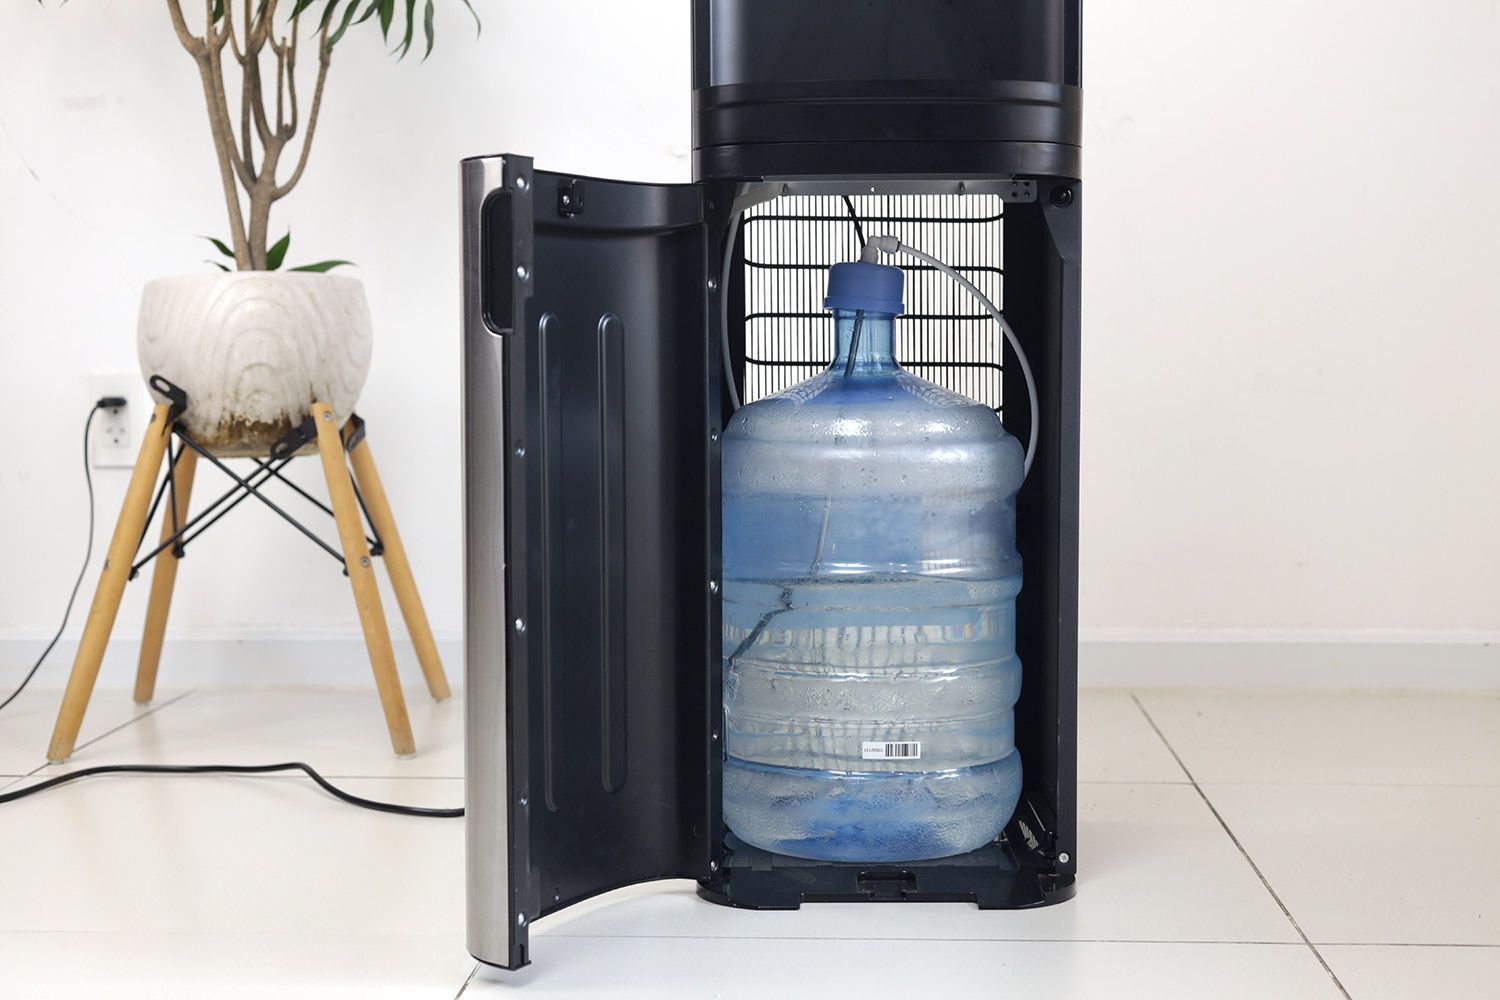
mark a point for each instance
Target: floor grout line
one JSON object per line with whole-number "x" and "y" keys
{"x": 128, "y": 722}
{"x": 1403, "y": 944}
{"x": 1295, "y": 784}
{"x": 1476, "y": 785}
{"x": 1241, "y": 847}
{"x": 95, "y": 739}
{"x": 133, "y": 720}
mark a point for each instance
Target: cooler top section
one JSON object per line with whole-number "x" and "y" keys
{"x": 789, "y": 41}
{"x": 864, "y": 88}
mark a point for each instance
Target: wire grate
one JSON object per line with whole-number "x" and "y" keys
{"x": 944, "y": 336}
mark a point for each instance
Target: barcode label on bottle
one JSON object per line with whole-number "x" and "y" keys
{"x": 892, "y": 751}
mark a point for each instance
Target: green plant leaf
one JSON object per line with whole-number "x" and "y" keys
{"x": 370, "y": 9}
{"x": 339, "y": 15}
{"x": 322, "y": 266}
{"x": 222, "y": 247}
{"x": 218, "y": 11}
{"x": 478, "y": 24}
{"x": 344, "y": 24}
{"x": 327, "y": 14}
{"x": 411, "y": 24}
{"x": 216, "y": 264}
{"x": 277, "y": 253}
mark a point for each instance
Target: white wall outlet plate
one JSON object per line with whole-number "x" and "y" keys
{"x": 115, "y": 438}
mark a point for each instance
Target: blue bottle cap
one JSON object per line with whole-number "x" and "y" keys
{"x": 875, "y": 288}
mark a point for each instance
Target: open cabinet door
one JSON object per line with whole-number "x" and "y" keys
{"x": 591, "y": 527}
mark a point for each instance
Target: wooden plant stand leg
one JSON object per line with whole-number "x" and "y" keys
{"x": 112, "y": 580}
{"x": 394, "y": 555}
{"x": 163, "y": 578}
{"x": 362, "y": 579}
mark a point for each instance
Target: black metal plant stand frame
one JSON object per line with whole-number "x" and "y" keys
{"x": 357, "y": 504}
{"x": 281, "y": 455}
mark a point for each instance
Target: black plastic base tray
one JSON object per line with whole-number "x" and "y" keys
{"x": 992, "y": 877}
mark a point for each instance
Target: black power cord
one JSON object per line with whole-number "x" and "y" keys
{"x": 859, "y": 230}
{"x": 109, "y": 403}
{"x": 103, "y": 403}
{"x": 859, "y": 316}
{"x": 324, "y": 783}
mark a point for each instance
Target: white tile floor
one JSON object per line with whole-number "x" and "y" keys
{"x": 1233, "y": 844}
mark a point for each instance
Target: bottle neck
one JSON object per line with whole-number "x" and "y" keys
{"x": 874, "y": 352}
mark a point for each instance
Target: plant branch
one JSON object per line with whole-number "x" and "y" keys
{"x": 280, "y": 89}
{"x": 247, "y": 146}
{"x": 234, "y": 40}
{"x": 251, "y": 188}
{"x": 290, "y": 47}
{"x": 227, "y": 167}
{"x": 264, "y": 23}
{"x": 251, "y": 90}
{"x": 252, "y": 85}
{"x": 213, "y": 38}
{"x": 189, "y": 41}
{"x": 325, "y": 52}
{"x": 218, "y": 112}
{"x": 205, "y": 56}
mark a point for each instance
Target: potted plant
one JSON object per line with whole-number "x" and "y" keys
{"x": 255, "y": 345}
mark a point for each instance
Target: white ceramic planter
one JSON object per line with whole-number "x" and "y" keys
{"x": 253, "y": 349}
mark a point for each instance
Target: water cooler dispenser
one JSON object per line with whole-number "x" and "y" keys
{"x": 611, "y": 331}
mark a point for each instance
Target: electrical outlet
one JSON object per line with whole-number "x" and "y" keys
{"x": 116, "y": 435}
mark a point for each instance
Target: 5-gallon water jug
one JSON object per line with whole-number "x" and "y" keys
{"x": 870, "y": 577}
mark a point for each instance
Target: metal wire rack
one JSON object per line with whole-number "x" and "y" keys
{"x": 944, "y": 336}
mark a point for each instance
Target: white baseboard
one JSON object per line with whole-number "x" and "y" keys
{"x": 1333, "y": 659}
{"x": 254, "y": 659}
{"x": 1456, "y": 661}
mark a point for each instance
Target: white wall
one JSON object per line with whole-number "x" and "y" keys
{"x": 1290, "y": 356}
{"x": 1291, "y": 360}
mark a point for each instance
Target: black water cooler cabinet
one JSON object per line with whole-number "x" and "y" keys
{"x": 594, "y": 396}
